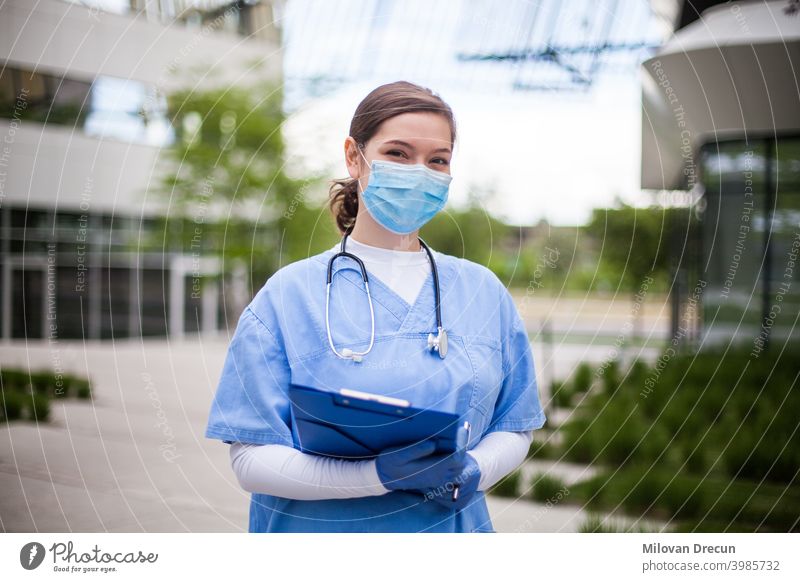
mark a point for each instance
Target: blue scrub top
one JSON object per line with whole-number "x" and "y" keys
{"x": 488, "y": 377}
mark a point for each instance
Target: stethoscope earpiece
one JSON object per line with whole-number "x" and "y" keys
{"x": 437, "y": 343}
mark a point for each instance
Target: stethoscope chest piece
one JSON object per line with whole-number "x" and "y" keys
{"x": 438, "y": 343}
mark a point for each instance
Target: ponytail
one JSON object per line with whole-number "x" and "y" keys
{"x": 344, "y": 203}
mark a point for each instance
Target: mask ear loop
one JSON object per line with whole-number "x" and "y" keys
{"x": 360, "y": 148}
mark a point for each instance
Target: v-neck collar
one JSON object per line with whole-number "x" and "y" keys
{"x": 413, "y": 318}
{"x": 427, "y": 288}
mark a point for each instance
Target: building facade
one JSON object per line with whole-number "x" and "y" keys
{"x": 83, "y": 123}
{"x": 721, "y": 122}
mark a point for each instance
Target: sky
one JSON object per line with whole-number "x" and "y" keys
{"x": 553, "y": 153}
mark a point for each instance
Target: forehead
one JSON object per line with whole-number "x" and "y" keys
{"x": 420, "y": 128}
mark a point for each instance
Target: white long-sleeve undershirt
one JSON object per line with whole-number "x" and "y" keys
{"x": 283, "y": 471}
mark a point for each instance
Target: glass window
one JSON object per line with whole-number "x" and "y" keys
{"x": 154, "y": 301}
{"x": 27, "y": 303}
{"x": 115, "y": 302}
{"x": 733, "y": 237}
{"x": 8, "y": 93}
{"x": 70, "y": 102}
{"x": 129, "y": 111}
{"x": 72, "y": 302}
{"x": 246, "y": 18}
{"x": 30, "y": 230}
{"x": 108, "y": 107}
{"x": 752, "y": 198}
{"x": 193, "y": 303}
{"x": 115, "y": 6}
{"x": 784, "y": 268}
{"x": 29, "y": 218}
{"x": 34, "y": 89}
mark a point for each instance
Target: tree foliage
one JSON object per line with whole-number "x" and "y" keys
{"x": 634, "y": 243}
{"x": 226, "y": 188}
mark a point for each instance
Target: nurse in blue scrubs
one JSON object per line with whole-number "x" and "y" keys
{"x": 398, "y": 156}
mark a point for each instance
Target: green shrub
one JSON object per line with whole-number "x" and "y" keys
{"x": 577, "y": 444}
{"x": 638, "y": 372}
{"x": 13, "y": 404}
{"x": 611, "y": 433}
{"x": 583, "y": 378}
{"x": 693, "y": 502}
{"x": 546, "y": 487}
{"x": 13, "y": 379}
{"x": 611, "y": 377}
{"x": 38, "y": 407}
{"x": 728, "y": 415}
{"x": 596, "y": 524}
{"x": 43, "y": 382}
{"x": 508, "y": 486}
{"x": 65, "y": 389}
{"x": 29, "y": 394}
{"x": 561, "y": 394}
{"x": 83, "y": 389}
{"x": 543, "y": 450}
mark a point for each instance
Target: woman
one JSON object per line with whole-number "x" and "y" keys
{"x": 398, "y": 157}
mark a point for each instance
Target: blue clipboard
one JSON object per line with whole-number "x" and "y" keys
{"x": 358, "y": 425}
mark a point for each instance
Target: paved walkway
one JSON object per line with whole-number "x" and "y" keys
{"x": 135, "y": 458}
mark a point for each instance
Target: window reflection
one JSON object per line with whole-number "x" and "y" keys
{"x": 248, "y": 18}
{"x": 108, "y": 108}
{"x": 114, "y": 6}
{"x": 751, "y": 236}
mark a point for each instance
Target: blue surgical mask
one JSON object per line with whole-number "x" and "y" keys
{"x": 403, "y": 197}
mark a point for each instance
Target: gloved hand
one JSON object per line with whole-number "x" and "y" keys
{"x": 467, "y": 481}
{"x": 415, "y": 467}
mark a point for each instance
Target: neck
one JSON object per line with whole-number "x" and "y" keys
{"x": 369, "y": 232}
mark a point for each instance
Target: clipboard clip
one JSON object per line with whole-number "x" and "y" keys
{"x": 374, "y": 397}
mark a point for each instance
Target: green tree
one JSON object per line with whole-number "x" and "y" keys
{"x": 634, "y": 242}
{"x": 471, "y": 233}
{"x": 226, "y": 188}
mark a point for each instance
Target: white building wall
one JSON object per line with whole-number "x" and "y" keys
{"x": 54, "y": 166}
{"x": 58, "y": 166}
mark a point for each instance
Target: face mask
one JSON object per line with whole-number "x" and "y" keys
{"x": 403, "y": 197}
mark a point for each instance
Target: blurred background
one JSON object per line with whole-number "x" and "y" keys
{"x": 629, "y": 168}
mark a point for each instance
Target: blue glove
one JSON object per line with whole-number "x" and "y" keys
{"x": 415, "y": 467}
{"x": 467, "y": 481}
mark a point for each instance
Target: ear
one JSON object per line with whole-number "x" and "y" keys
{"x": 352, "y": 158}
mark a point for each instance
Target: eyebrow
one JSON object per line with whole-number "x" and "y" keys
{"x": 411, "y": 147}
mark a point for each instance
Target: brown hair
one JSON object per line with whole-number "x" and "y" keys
{"x": 381, "y": 104}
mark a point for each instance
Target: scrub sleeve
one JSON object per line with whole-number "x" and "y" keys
{"x": 517, "y": 407}
{"x": 251, "y": 404}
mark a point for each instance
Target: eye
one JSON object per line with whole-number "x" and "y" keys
{"x": 396, "y": 152}
{"x": 441, "y": 161}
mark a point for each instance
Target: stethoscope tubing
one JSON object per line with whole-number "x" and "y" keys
{"x": 365, "y": 278}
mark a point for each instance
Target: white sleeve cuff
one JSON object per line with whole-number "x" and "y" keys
{"x": 286, "y": 472}
{"x": 499, "y": 453}
{"x": 283, "y": 471}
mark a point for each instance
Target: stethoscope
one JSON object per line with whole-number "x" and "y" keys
{"x": 437, "y": 343}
